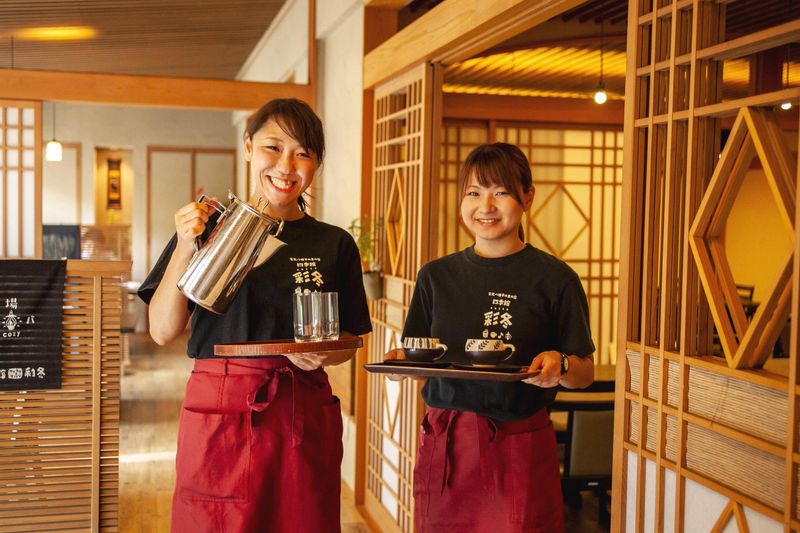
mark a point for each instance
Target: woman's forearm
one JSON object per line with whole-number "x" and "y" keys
{"x": 168, "y": 310}
{"x": 580, "y": 374}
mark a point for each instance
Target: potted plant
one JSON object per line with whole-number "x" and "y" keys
{"x": 364, "y": 231}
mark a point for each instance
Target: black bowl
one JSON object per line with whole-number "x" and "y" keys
{"x": 486, "y": 357}
{"x": 422, "y": 355}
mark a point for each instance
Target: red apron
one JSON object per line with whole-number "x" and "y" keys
{"x": 259, "y": 450}
{"x": 479, "y": 475}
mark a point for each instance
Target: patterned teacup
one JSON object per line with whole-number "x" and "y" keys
{"x": 487, "y": 352}
{"x": 423, "y": 349}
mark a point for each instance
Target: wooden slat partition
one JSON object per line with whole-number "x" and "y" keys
{"x": 59, "y": 449}
{"x": 403, "y": 189}
{"x": 694, "y": 417}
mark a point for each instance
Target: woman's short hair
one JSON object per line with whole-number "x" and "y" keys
{"x": 298, "y": 120}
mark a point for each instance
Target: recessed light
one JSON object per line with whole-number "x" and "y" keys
{"x": 56, "y": 33}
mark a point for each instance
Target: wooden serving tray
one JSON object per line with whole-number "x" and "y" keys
{"x": 285, "y": 346}
{"x": 406, "y": 369}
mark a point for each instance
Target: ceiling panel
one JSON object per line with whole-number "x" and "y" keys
{"x": 561, "y": 57}
{"x": 199, "y": 38}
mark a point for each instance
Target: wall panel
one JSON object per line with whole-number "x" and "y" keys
{"x": 20, "y": 179}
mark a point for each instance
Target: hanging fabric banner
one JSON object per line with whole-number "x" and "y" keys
{"x": 31, "y": 313}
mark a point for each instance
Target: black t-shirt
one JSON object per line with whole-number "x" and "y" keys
{"x": 529, "y": 299}
{"x": 318, "y": 257}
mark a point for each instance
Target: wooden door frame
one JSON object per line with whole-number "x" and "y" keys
{"x": 425, "y": 41}
{"x": 192, "y": 151}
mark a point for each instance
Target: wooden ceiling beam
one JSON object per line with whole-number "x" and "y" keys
{"x": 456, "y": 30}
{"x": 532, "y": 109}
{"x": 151, "y": 91}
{"x": 393, "y": 4}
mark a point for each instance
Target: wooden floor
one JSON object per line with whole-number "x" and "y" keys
{"x": 151, "y": 398}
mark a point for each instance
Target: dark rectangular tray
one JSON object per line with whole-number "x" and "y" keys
{"x": 284, "y": 346}
{"x": 387, "y": 367}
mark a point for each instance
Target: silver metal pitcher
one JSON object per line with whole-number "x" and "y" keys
{"x": 243, "y": 238}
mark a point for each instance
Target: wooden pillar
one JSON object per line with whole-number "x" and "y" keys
{"x": 380, "y": 23}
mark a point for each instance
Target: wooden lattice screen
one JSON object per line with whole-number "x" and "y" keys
{"x": 577, "y": 172}
{"x": 20, "y": 179}
{"x": 697, "y": 436}
{"x": 59, "y": 449}
{"x": 401, "y": 197}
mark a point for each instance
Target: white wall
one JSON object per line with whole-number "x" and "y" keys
{"x": 282, "y": 56}
{"x": 135, "y": 128}
{"x": 702, "y": 506}
{"x": 340, "y": 98}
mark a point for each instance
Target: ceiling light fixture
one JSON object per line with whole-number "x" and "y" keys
{"x": 600, "y": 95}
{"x": 54, "y": 151}
{"x": 56, "y": 33}
{"x": 787, "y": 105}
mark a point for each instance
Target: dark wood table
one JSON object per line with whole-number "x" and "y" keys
{"x": 604, "y": 380}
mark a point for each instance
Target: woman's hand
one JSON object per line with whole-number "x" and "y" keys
{"x": 313, "y": 361}
{"x": 190, "y": 222}
{"x": 394, "y": 355}
{"x": 549, "y": 366}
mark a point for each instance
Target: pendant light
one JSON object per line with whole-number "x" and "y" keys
{"x": 787, "y": 105}
{"x": 600, "y": 95}
{"x": 53, "y": 151}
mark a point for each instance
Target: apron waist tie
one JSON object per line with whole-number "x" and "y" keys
{"x": 442, "y": 426}
{"x": 269, "y": 388}
{"x": 486, "y": 432}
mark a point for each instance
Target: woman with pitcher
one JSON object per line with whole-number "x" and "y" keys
{"x": 260, "y": 440}
{"x": 487, "y": 453}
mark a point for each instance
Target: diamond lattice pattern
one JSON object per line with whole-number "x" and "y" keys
{"x": 561, "y": 204}
{"x": 395, "y": 220}
{"x": 755, "y": 133}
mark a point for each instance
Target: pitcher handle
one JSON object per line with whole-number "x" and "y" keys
{"x": 280, "y": 227}
{"x": 203, "y": 199}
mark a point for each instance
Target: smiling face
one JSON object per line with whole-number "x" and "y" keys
{"x": 281, "y": 166}
{"x": 492, "y": 214}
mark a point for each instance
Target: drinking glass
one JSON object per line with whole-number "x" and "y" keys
{"x": 329, "y": 315}
{"x": 307, "y": 316}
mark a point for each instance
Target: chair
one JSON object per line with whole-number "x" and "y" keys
{"x": 588, "y": 443}
{"x": 745, "y": 292}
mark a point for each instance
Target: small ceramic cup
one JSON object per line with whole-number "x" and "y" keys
{"x": 423, "y": 349}
{"x": 487, "y": 352}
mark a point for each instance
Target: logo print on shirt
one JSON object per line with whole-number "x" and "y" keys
{"x": 306, "y": 271}
{"x": 497, "y": 320}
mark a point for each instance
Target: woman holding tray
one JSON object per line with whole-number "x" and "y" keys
{"x": 260, "y": 440}
{"x": 487, "y": 458}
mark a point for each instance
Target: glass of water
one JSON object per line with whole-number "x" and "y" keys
{"x": 307, "y": 316}
{"x": 329, "y": 315}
